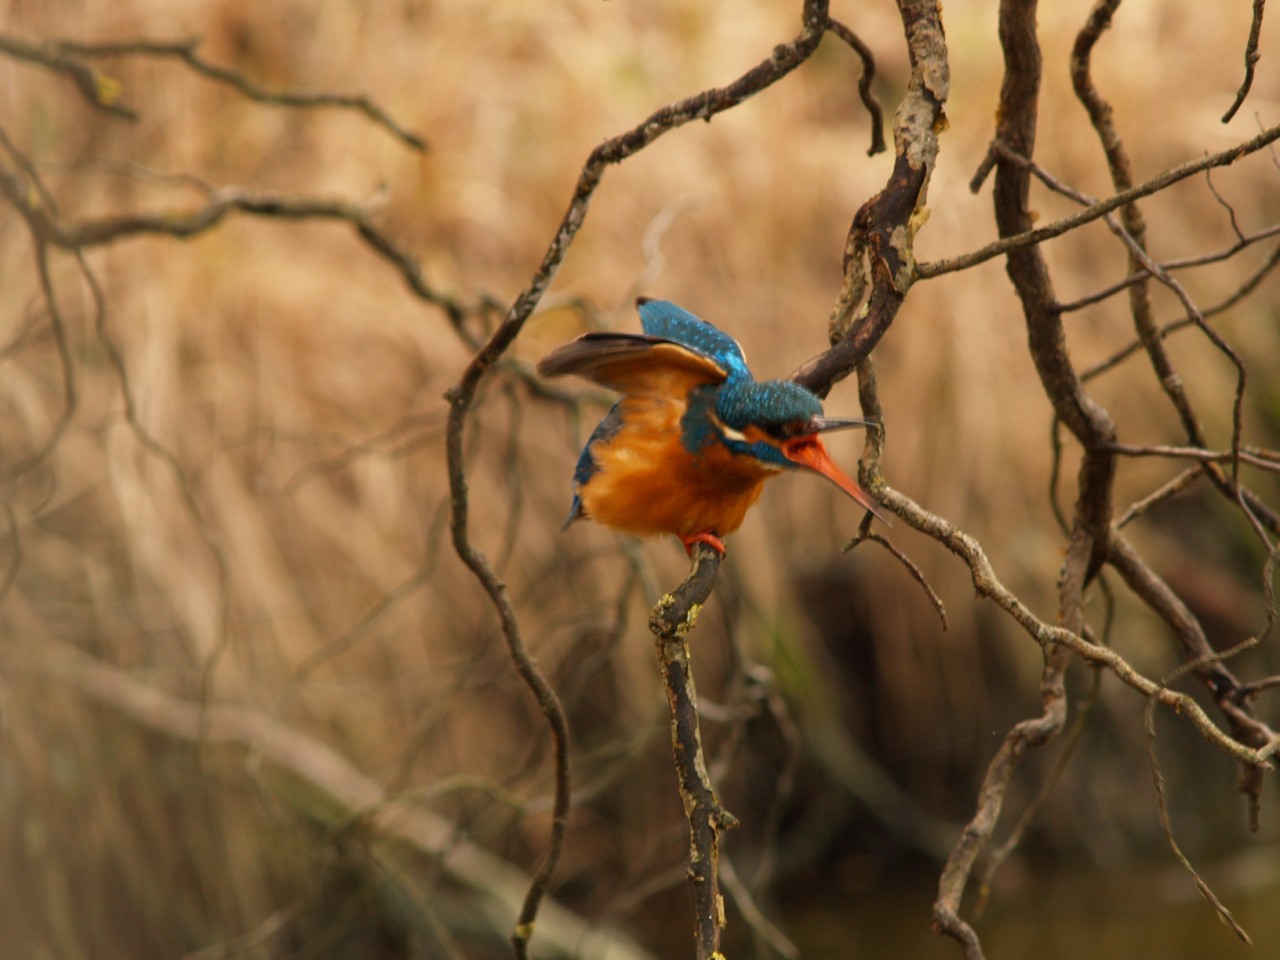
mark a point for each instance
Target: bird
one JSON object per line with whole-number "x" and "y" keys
{"x": 687, "y": 448}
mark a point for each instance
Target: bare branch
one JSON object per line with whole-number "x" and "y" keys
{"x": 1070, "y": 741}
{"x": 865, "y": 534}
{"x": 864, "y": 83}
{"x": 936, "y": 268}
{"x": 989, "y": 585}
{"x": 1157, "y": 595}
{"x": 1166, "y": 824}
{"x": 671, "y": 621}
{"x": 51, "y": 228}
{"x": 1251, "y": 58}
{"x": 1265, "y": 459}
{"x": 1258, "y": 513}
{"x": 879, "y": 255}
{"x": 102, "y": 92}
{"x": 1138, "y": 276}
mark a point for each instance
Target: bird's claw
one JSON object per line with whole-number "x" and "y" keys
{"x": 707, "y": 537}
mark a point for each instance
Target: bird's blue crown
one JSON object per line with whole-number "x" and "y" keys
{"x": 769, "y": 405}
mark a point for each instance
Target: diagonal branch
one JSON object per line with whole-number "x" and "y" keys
{"x": 1030, "y": 237}
{"x": 104, "y": 92}
{"x": 100, "y": 91}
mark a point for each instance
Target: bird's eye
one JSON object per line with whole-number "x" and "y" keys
{"x": 775, "y": 431}
{"x": 793, "y": 428}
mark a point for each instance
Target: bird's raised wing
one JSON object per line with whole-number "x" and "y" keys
{"x": 659, "y": 318}
{"x": 633, "y": 363}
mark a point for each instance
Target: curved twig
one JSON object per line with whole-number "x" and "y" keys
{"x": 1251, "y": 58}
{"x": 864, "y": 83}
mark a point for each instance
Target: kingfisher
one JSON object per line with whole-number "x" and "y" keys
{"x": 688, "y": 447}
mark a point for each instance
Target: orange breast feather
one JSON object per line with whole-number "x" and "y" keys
{"x": 648, "y": 483}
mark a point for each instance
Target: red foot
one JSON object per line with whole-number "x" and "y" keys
{"x": 707, "y": 537}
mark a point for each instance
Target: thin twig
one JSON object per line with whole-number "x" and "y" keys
{"x": 1175, "y": 486}
{"x": 916, "y": 574}
{"x": 864, "y": 83}
{"x": 1222, "y": 202}
{"x": 100, "y": 91}
{"x": 1251, "y": 57}
{"x": 185, "y": 52}
{"x": 1264, "y": 459}
{"x": 936, "y": 268}
{"x": 1247, "y": 287}
{"x": 1162, "y": 804}
{"x": 1183, "y": 263}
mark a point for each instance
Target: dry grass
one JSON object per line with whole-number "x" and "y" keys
{"x": 298, "y": 386}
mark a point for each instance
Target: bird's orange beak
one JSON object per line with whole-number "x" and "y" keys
{"x": 808, "y": 451}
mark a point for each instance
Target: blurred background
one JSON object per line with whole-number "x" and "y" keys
{"x": 271, "y": 542}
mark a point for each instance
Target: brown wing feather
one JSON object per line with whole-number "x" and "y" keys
{"x": 632, "y": 363}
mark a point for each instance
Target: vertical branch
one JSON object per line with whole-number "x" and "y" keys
{"x": 671, "y": 621}
{"x": 1087, "y": 421}
{"x": 879, "y": 259}
{"x": 1100, "y": 114}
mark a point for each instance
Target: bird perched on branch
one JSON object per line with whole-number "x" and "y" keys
{"x": 688, "y": 447}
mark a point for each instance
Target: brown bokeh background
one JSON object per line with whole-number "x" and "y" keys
{"x": 298, "y": 562}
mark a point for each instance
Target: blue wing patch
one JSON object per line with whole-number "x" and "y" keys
{"x": 587, "y": 466}
{"x": 659, "y": 318}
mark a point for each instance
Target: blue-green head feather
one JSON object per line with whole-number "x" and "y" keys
{"x": 771, "y": 405}
{"x": 719, "y": 414}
